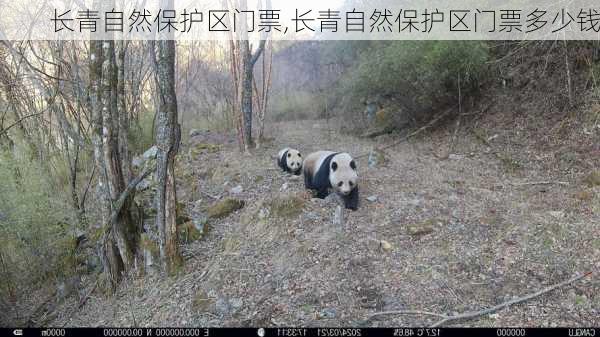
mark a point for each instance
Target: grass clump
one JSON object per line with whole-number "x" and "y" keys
{"x": 286, "y": 206}
{"x": 201, "y": 148}
{"x": 224, "y": 207}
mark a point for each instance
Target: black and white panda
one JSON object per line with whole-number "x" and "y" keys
{"x": 290, "y": 161}
{"x": 326, "y": 169}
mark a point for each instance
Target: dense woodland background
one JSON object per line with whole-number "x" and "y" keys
{"x": 85, "y": 125}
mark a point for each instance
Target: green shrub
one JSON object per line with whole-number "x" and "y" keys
{"x": 418, "y": 76}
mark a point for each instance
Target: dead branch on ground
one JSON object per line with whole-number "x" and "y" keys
{"x": 473, "y": 314}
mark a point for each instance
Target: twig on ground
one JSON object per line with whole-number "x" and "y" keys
{"x": 564, "y": 183}
{"x": 85, "y": 298}
{"x": 406, "y": 312}
{"x": 210, "y": 195}
{"x": 473, "y": 314}
{"x": 509, "y": 303}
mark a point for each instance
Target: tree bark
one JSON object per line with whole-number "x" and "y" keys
{"x": 124, "y": 227}
{"x": 111, "y": 261}
{"x": 246, "y": 68}
{"x": 168, "y": 136}
{"x": 246, "y": 104}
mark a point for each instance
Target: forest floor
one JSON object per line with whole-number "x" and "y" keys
{"x": 498, "y": 218}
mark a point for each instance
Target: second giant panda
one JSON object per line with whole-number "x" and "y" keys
{"x": 290, "y": 161}
{"x": 324, "y": 170}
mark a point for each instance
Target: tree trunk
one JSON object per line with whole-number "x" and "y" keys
{"x": 111, "y": 262}
{"x": 168, "y": 136}
{"x": 245, "y": 68}
{"x": 124, "y": 229}
{"x": 247, "y": 78}
{"x": 263, "y": 96}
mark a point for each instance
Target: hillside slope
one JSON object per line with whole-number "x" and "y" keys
{"x": 489, "y": 223}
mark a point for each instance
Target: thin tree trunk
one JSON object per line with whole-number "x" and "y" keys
{"x": 168, "y": 137}
{"x": 111, "y": 262}
{"x": 247, "y": 78}
{"x": 264, "y": 94}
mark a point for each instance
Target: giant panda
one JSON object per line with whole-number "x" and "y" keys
{"x": 290, "y": 161}
{"x": 326, "y": 169}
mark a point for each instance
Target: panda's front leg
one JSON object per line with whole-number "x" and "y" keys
{"x": 351, "y": 200}
{"x": 322, "y": 193}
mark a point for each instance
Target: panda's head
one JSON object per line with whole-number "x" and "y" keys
{"x": 293, "y": 160}
{"x": 342, "y": 174}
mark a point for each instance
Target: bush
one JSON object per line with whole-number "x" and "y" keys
{"x": 417, "y": 76}
{"x": 34, "y": 224}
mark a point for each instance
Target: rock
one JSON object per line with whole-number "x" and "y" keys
{"x": 284, "y": 187}
{"x": 236, "y": 303}
{"x": 334, "y": 199}
{"x": 200, "y": 223}
{"x": 327, "y": 313}
{"x": 338, "y": 216}
{"x": 414, "y": 202}
{"x": 137, "y": 161}
{"x": 151, "y": 153}
{"x": 145, "y": 184}
{"x": 312, "y": 216}
{"x": 557, "y": 214}
{"x": 372, "y": 198}
{"x": 223, "y": 208}
{"x": 386, "y": 246}
{"x": 194, "y": 133}
{"x": 223, "y": 307}
{"x": 263, "y": 213}
{"x": 237, "y": 190}
{"x": 377, "y": 158}
{"x": 453, "y": 156}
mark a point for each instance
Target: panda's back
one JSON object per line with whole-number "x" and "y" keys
{"x": 282, "y": 152}
{"x": 316, "y": 169}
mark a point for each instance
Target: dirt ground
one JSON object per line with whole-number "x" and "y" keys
{"x": 494, "y": 220}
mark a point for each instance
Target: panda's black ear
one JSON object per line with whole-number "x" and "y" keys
{"x": 334, "y": 166}
{"x": 353, "y": 165}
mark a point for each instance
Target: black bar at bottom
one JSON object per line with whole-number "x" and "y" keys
{"x": 302, "y": 332}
